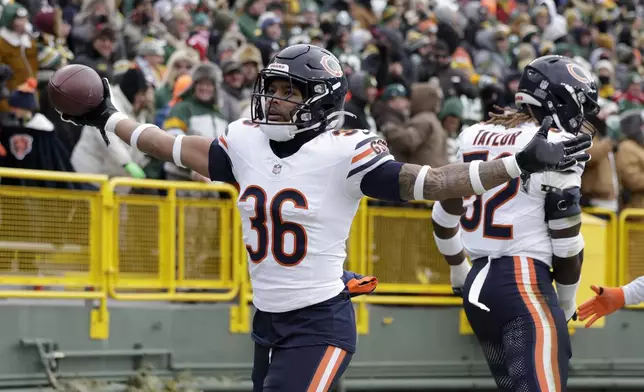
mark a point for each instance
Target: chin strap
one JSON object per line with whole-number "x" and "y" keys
{"x": 332, "y": 125}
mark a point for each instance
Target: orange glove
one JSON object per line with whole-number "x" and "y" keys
{"x": 607, "y": 301}
{"x": 361, "y": 286}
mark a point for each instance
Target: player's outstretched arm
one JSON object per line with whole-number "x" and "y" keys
{"x": 465, "y": 179}
{"x": 161, "y": 145}
{"x": 446, "y": 218}
{"x": 610, "y": 299}
{"x": 188, "y": 151}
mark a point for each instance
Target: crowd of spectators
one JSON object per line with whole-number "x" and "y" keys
{"x": 418, "y": 72}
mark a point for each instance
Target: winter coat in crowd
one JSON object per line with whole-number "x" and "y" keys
{"x": 92, "y": 155}
{"x": 18, "y": 50}
{"x": 193, "y": 117}
{"x": 421, "y": 139}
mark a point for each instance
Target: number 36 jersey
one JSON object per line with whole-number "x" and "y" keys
{"x": 297, "y": 211}
{"x": 510, "y": 220}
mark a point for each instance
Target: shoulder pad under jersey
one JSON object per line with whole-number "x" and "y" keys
{"x": 239, "y": 129}
{"x": 357, "y": 139}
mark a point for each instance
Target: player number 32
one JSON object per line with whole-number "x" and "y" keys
{"x": 280, "y": 227}
{"x": 485, "y": 211}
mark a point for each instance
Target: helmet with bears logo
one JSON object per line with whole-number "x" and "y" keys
{"x": 317, "y": 74}
{"x": 557, "y": 86}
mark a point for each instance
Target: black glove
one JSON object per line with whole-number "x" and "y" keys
{"x": 573, "y": 318}
{"x": 541, "y": 155}
{"x": 97, "y": 117}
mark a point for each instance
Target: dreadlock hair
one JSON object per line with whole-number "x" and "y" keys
{"x": 509, "y": 118}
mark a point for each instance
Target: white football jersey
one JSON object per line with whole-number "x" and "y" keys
{"x": 509, "y": 220}
{"x": 297, "y": 211}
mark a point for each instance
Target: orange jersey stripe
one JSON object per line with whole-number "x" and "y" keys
{"x": 223, "y": 141}
{"x": 362, "y": 155}
{"x": 538, "y": 352}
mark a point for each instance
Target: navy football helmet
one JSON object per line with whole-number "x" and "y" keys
{"x": 559, "y": 87}
{"x": 317, "y": 73}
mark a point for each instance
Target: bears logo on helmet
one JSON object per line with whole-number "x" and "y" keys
{"x": 332, "y": 66}
{"x": 578, "y": 72}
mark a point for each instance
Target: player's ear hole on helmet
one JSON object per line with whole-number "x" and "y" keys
{"x": 534, "y": 76}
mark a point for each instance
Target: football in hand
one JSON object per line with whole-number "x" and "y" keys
{"x": 75, "y": 90}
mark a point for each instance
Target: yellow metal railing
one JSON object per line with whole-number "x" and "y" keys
{"x": 611, "y": 243}
{"x": 179, "y": 247}
{"x": 51, "y": 238}
{"x": 397, "y": 246}
{"x": 176, "y": 245}
{"x": 631, "y": 247}
{"x": 400, "y": 250}
{"x": 91, "y": 244}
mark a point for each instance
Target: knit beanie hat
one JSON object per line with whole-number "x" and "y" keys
{"x": 132, "y": 82}
{"x": 452, "y": 107}
{"x": 394, "y": 91}
{"x": 24, "y": 97}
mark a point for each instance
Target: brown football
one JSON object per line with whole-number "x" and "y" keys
{"x": 75, "y": 89}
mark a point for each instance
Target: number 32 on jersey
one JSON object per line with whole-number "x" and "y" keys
{"x": 272, "y": 209}
{"x": 485, "y": 212}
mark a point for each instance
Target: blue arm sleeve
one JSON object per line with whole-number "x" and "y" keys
{"x": 382, "y": 182}
{"x": 219, "y": 166}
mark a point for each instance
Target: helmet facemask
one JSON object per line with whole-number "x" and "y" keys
{"x": 307, "y": 113}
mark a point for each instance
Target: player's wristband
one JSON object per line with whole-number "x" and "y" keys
{"x": 511, "y": 166}
{"x": 567, "y": 292}
{"x": 419, "y": 185}
{"x": 449, "y": 246}
{"x": 475, "y": 178}
{"x": 176, "y": 151}
{"x": 461, "y": 269}
{"x": 444, "y": 218}
{"x": 134, "y": 138}
{"x": 110, "y": 125}
{"x": 568, "y": 246}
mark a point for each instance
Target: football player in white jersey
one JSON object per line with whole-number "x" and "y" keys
{"x": 301, "y": 180}
{"x": 517, "y": 232}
